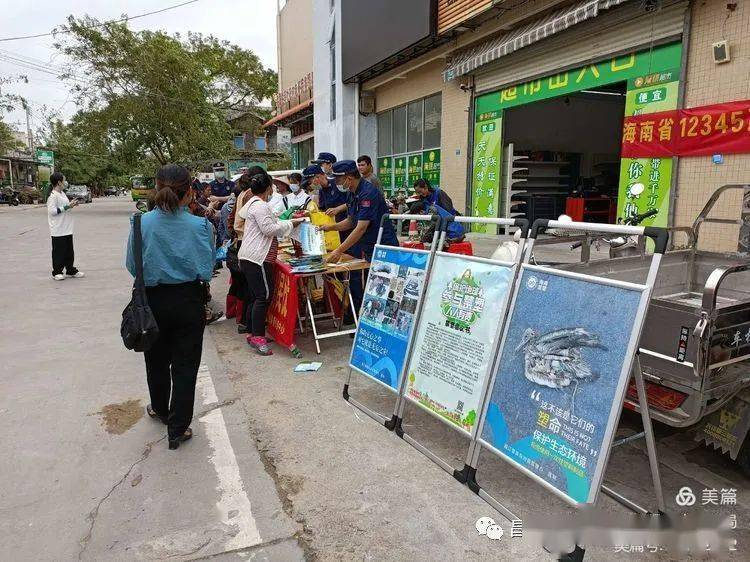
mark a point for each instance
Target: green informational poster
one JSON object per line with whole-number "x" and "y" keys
{"x": 414, "y": 169}
{"x": 399, "y": 172}
{"x": 486, "y": 169}
{"x": 385, "y": 172}
{"x": 648, "y": 94}
{"x": 431, "y": 166}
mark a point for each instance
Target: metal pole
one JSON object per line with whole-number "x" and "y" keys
{"x": 649, "y": 431}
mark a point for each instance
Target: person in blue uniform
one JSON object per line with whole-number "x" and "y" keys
{"x": 365, "y": 208}
{"x": 330, "y": 200}
{"x": 221, "y": 187}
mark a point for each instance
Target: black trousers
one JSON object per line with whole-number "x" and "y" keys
{"x": 63, "y": 255}
{"x": 172, "y": 363}
{"x": 259, "y": 293}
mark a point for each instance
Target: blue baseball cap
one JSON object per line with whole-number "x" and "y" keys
{"x": 313, "y": 170}
{"x": 324, "y": 158}
{"x": 344, "y": 167}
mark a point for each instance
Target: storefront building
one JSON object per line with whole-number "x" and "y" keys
{"x": 532, "y": 102}
{"x": 293, "y": 124}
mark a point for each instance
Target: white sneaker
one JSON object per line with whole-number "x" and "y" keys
{"x": 78, "y": 275}
{"x": 59, "y": 277}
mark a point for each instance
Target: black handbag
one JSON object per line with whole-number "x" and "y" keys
{"x": 233, "y": 260}
{"x": 138, "y": 329}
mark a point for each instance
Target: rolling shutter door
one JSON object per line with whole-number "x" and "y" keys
{"x": 623, "y": 29}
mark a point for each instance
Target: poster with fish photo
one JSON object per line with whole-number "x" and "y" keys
{"x": 464, "y": 304}
{"x": 561, "y": 375}
{"x": 386, "y": 319}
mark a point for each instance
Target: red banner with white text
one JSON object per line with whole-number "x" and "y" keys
{"x": 723, "y": 128}
{"x": 281, "y": 316}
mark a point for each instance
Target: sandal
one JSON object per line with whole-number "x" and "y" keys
{"x": 175, "y": 443}
{"x": 153, "y": 415}
{"x": 260, "y": 344}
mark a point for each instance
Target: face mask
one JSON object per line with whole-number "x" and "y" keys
{"x": 294, "y": 188}
{"x": 219, "y": 175}
{"x": 342, "y": 188}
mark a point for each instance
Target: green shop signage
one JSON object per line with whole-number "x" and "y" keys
{"x": 619, "y": 69}
{"x": 414, "y": 168}
{"x": 45, "y": 157}
{"x": 385, "y": 172}
{"x": 652, "y": 81}
{"x": 486, "y": 169}
{"x": 399, "y": 172}
{"x": 431, "y": 167}
{"x": 647, "y": 94}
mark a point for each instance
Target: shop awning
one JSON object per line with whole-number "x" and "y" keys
{"x": 288, "y": 113}
{"x": 555, "y": 22}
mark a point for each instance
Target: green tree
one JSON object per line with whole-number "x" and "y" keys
{"x": 162, "y": 97}
{"x": 7, "y": 140}
{"x": 85, "y": 154}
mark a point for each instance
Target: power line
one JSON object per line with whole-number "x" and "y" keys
{"x": 121, "y": 20}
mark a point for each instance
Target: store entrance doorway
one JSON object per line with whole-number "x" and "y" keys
{"x": 562, "y": 156}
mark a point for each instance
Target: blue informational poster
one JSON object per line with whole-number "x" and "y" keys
{"x": 386, "y": 320}
{"x": 560, "y": 380}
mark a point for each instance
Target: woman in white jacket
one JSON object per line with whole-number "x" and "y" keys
{"x": 257, "y": 256}
{"x": 61, "y": 229}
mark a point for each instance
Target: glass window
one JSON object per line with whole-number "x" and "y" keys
{"x": 432, "y": 111}
{"x": 384, "y": 133}
{"x": 414, "y": 131}
{"x": 399, "y": 130}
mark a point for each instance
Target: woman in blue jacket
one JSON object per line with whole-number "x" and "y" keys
{"x": 178, "y": 259}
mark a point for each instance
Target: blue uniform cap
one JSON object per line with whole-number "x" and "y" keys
{"x": 313, "y": 170}
{"x": 344, "y": 167}
{"x": 324, "y": 157}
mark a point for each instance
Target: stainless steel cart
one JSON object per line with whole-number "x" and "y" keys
{"x": 695, "y": 346}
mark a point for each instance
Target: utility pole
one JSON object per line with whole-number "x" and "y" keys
{"x": 28, "y": 128}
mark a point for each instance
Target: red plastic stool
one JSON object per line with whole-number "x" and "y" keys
{"x": 464, "y": 248}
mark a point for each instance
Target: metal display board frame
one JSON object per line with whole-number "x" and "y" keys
{"x": 632, "y": 365}
{"x": 514, "y": 267}
{"x": 389, "y": 422}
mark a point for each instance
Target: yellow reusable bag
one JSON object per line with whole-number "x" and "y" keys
{"x": 332, "y": 238}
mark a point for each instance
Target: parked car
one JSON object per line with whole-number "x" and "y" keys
{"x": 111, "y": 190}
{"x": 80, "y": 192}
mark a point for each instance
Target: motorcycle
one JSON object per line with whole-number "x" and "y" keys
{"x": 622, "y": 246}
{"x": 9, "y": 197}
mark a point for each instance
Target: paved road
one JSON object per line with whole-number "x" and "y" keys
{"x": 85, "y": 474}
{"x": 281, "y": 467}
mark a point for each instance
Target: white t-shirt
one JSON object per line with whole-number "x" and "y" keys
{"x": 275, "y": 201}
{"x": 60, "y": 219}
{"x": 299, "y": 199}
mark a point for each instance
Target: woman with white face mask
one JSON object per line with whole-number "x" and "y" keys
{"x": 292, "y": 195}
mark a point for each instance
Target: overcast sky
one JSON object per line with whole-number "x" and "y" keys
{"x": 250, "y": 24}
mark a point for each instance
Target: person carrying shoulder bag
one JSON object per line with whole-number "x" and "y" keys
{"x": 178, "y": 252}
